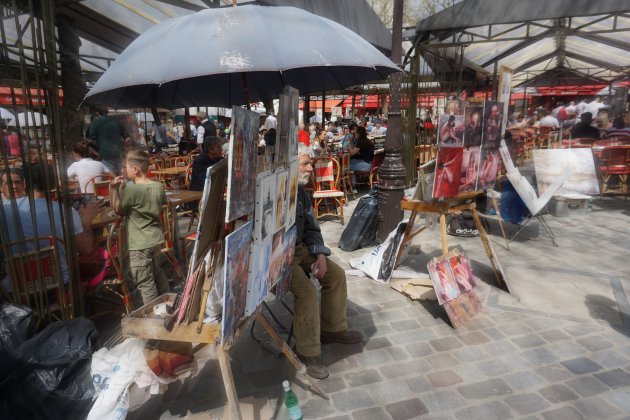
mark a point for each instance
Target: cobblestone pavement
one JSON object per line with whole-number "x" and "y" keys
{"x": 556, "y": 348}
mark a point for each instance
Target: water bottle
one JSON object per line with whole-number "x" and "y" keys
{"x": 291, "y": 402}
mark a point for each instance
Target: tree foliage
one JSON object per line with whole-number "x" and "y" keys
{"x": 412, "y": 9}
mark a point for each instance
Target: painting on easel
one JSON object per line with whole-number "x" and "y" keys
{"x": 473, "y": 117}
{"x": 283, "y": 286}
{"x": 447, "y": 172}
{"x": 265, "y": 213}
{"x": 258, "y": 285}
{"x": 236, "y": 271}
{"x": 469, "y": 169}
{"x": 451, "y": 131}
{"x": 242, "y": 157}
{"x": 286, "y": 143}
{"x": 281, "y": 197}
{"x": 294, "y": 167}
{"x": 277, "y": 257}
{"x": 492, "y": 124}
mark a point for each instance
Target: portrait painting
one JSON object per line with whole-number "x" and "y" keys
{"x": 282, "y": 176}
{"x": 236, "y": 274}
{"x": 242, "y": 157}
{"x": 286, "y": 144}
{"x": 469, "y": 169}
{"x": 488, "y": 168}
{"x": 447, "y": 172}
{"x": 292, "y": 184}
{"x": 284, "y": 285}
{"x": 265, "y": 213}
{"x": 451, "y": 130}
{"x": 462, "y": 272}
{"x": 473, "y": 120}
{"x": 277, "y": 257}
{"x": 442, "y": 279}
{"x": 258, "y": 285}
{"x": 492, "y": 124}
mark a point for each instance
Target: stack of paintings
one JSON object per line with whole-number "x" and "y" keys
{"x": 468, "y": 155}
{"x": 454, "y": 284}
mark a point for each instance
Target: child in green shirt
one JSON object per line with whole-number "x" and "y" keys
{"x": 142, "y": 204}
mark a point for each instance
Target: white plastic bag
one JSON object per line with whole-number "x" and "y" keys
{"x": 379, "y": 262}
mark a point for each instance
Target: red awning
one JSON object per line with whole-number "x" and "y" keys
{"x": 313, "y": 105}
{"x": 33, "y": 97}
{"x": 361, "y": 101}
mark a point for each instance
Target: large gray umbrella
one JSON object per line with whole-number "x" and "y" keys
{"x": 230, "y": 56}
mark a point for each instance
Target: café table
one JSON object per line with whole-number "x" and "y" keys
{"x": 104, "y": 217}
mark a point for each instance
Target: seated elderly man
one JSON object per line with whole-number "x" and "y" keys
{"x": 314, "y": 326}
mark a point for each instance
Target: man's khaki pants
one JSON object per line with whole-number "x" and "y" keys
{"x": 307, "y": 319}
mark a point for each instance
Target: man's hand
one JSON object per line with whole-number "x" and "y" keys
{"x": 319, "y": 267}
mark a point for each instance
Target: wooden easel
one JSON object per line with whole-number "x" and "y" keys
{"x": 444, "y": 208}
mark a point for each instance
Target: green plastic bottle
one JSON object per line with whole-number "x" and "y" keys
{"x": 291, "y": 402}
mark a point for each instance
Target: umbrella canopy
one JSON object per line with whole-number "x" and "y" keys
{"x": 145, "y": 116}
{"x": 33, "y": 118}
{"x": 6, "y": 115}
{"x": 231, "y": 56}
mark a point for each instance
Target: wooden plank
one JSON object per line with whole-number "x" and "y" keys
{"x": 233, "y": 408}
{"x": 443, "y": 234}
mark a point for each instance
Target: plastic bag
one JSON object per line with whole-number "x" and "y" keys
{"x": 362, "y": 227}
{"x": 50, "y": 375}
{"x": 16, "y": 326}
{"x": 379, "y": 262}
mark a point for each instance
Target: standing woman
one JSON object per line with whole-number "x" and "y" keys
{"x": 361, "y": 152}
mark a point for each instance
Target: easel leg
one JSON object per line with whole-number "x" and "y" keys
{"x": 233, "y": 410}
{"x": 484, "y": 240}
{"x": 443, "y": 233}
{"x": 299, "y": 366}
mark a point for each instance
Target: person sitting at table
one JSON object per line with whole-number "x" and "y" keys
{"x": 349, "y": 136}
{"x": 361, "y": 152}
{"x": 379, "y": 130}
{"x": 213, "y": 154}
{"x": 12, "y": 179}
{"x": 141, "y": 202}
{"x": 85, "y": 168}
{"x": 584, "y": 129}
{"x": 36, "y": 161}
{"x": 46, "y": 223}
{"x": 549, "y": 120}
{"x": 320, "y": 145}
{"x": 618, "y": 129}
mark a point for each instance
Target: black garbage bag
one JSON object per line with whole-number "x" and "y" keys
{"x": 362, "y": 227}
{"x": 16, "y": 326}
{"x": 50, "y": 377}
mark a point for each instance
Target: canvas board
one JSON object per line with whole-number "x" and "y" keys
{"x": 258, "y": 284}
{"x": 284, "y": 285}
{"x": 443, "y": 282}
{"x": 451, "y": 130}
{"x": 292, "y": 184}
{"x": 492, "y": 124}
{"x": 277, "y": 257}
{"x": 463, "y": 308}
{"x": 282, "y": 175}
{"x": 265, "y": 213}
{"x": 470, "y": 169}
{"x": 286, "y": 141}
{"x": 550, "y": 163}
{"x": 242, "y": 157}
{"x": 236, "y": 271}
{"x": 473, "y": 130}
{"x": 447, "y": 172}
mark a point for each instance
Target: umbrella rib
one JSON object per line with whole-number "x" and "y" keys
{"x": 335, "y": 77}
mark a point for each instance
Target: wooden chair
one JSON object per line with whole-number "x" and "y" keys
{"x": 615, "y": 161}
{"x": 346, "y": 177}
{"x": 372, "y": 175}
{"x": 36, "y": 278}
{"x": 424, "y": 153}
{"x": 99, "y": 185}
{"x": 168, "y": 224}
{"x": 326, "y": 186}
{"x": 176, "y": 161}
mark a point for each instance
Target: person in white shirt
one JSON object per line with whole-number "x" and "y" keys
{"x": 549, "y": 121}
{"x": 205, "y": 128}
{"x": 594, "y": 106}
{"x": 580, "y": 108}
{"x": 570, "y": 108}
{"x": 85, "y": 168}
{"x": 378, "y": 129}
{"x": 271, "y": 122}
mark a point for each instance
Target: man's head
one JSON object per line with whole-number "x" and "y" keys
{"x": 12, "y": 179}
{"x": 202, "y": 115}
{"x": 34, "y": 154}
{"x": 136, "y": 163}
{"x": 212, "y": 146}
{"x": 305, "y": 168}
{"x": 586, "y": 117}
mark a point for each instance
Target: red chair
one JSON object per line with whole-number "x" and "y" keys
{"x": 615, "y": 161}
{"x": 326, "y": 186}
{"x": 372, "y": 175}
{"x": 99, "y": 185}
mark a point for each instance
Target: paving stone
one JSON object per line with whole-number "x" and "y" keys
{"x": 497, "y": 347}
{"x": 444, "y": 378}
{"x": 406, "y": 325}
{"x": 539, "y": 356}
{"x": 554, "y": 335}
{"x": 563, "y": 413}
{"x": 620, "y": 398}
{"x": 412, "y": 336}
{"x": 485, "y": 389}
{"x": 473, "y": 338}
{"x": 397, "y": 353}
{"x": 373, "y": 358}
{"x": 351, "y": 400}
{"x": 596, "y": 408}
{"x": 407, "y": 409}
{"x": 581, "y": 365}
{"x": 332, "y": 384}
{"x": 316, "y": 407}
{"x": 469, "y": 373}
{"x": 442, "y": 401}
{"x": 515, "y": 361}
{"x": 339, "y": 418}
{"x": 578, "y": 330}
{"x": 508, "y": 317}
{"x": 374, "y": 413}
{"x": 488, "y": 411}
{"x": 494, "y": 368}
{"x": 554, "y": 373}
{"x": 478, "y": 323}
{"x": 377, "y": 343}
{"x": 385, "y": 392}
{"x": 594, "y": 343}
{"x": 526, "y": 403}
{"x": 566, "y": 349}
{"x": 558, "y": 393}
{"x": 587, "y": 386}
{"x": 390, "y": 316}
{"x": 471, "y": 354}
{"x": 614, "y": 378}
{"x": 526, "y": 341}
{"x": 523, "y": 380}
{"x": 365, "y": 377}
{"x": 441, "y": 360}
{"x": 445, "y": 344}
{"x": 404, "y": 368}
{"x": 376, "y": 331}
{"x": 420, "y": 349}
{"x": 494, "y": 333}
{"x": 609, "y": 358}
{"x": 419, "y": 384}
{"x": 513, "y": 330}
{"x": 543, "y": 323}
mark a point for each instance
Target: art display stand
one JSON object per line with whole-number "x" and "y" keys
{"x": 463, "y": 202}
